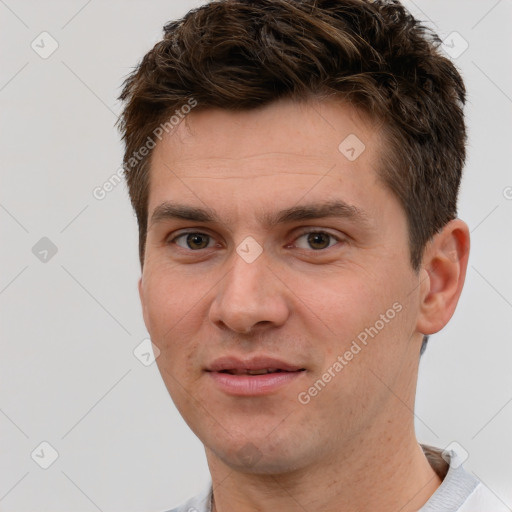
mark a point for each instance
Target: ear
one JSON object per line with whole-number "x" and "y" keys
{"x": 444, "y": 265}
{"x": 143, "y": 304}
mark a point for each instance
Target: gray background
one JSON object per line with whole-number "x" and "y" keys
{"x": 70, "y": 323}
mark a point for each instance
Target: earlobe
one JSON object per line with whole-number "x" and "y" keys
{"x": 445, "y": 262}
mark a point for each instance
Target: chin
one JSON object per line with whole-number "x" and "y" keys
{"x": 262, "y": 456}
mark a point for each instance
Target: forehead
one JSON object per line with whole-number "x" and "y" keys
{"x": 311, "y": 129}
{"x": 285, "y": 152}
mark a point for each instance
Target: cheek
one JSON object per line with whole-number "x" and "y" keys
{"x": 349, "y": 303}
{"x": 173, "y": 322}
{"x": 169, "y": 310}
{"x": 375, "y": 314}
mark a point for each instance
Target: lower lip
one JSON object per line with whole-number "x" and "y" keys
{"x": 252, "y": 385}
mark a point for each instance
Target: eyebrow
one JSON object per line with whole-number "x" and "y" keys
{"x": 337, "y": 208}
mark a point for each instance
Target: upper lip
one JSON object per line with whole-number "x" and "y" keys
{"x": 254, "y": 363}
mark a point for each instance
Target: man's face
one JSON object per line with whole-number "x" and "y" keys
{"x": 321, "y": 287}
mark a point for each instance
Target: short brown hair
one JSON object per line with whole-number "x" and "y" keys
{"x": 242, "y": 54}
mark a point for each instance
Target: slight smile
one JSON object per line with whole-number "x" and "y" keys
{"x": 256, "y": 376}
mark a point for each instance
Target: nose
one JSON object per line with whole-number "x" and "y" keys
{"x": 250, "y": 296}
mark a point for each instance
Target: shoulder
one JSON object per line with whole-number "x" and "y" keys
{"x": 459, "y": 491}
{"x": 483, "y": 500}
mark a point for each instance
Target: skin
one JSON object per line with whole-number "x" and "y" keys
{"x": 353, "y": 446}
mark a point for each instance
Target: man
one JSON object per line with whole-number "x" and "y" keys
{"x": 294, "y": 166}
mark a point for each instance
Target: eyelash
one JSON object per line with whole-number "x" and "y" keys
{"x": 313, "y": 231}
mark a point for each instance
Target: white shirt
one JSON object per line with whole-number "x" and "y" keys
{"x": 458, "y": 492}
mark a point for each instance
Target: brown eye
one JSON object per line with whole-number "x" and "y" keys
{"x": 193, "y": 241}
{"x": 317, "y": 240}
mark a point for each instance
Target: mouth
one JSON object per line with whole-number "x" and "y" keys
{"x": 252, "y": 377}
{"x": 261, "y": 371}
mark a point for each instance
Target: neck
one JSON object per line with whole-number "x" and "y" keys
{"x": 388, "y": 477}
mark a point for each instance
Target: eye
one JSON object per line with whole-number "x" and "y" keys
{"x": 311, "y": 240}
{"x": 193, "y": 241}
{"x": 317, "y": 240}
